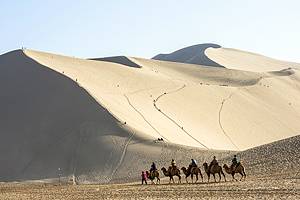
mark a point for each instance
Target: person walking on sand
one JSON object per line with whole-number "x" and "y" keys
{"x": 144, "y": 178}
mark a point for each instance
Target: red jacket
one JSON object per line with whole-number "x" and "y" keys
{"x": 144, "y": 175}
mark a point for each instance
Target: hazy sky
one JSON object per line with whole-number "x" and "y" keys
{"x": 95, "y": 28}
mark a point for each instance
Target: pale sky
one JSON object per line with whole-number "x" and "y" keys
{"x": 95, "y": 28}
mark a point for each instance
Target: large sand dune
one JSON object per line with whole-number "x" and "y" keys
{"x": 216, "y": 56}
{"x": 49, "y": 122}
{"x": 94, "y": 118}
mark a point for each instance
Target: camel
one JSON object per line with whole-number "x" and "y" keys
{"x": 239, "y": 169}
{"x": 152, "y": 175}
{"x": 172, "y": 172}
{"x": 215, "y": 169}
{"x": 192, "y": 171}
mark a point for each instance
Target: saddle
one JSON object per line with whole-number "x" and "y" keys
{"x": 152, "y": 174}
{"x": 173, "y": 169}
{"x": 213, "y": 165}
{"x": 234, "y": 166}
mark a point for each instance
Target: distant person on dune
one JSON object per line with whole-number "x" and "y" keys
{"x": 144, "y": 178}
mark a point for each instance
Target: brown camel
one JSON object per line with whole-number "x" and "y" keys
{"x": 152, "y": 175}
{"x": 192, "y": 171}
{"x": 215, "y": 169}
{"x": 172, "y": 172}
{"x": 238, "y": 169}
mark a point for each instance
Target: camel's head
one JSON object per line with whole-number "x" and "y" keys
{"x": 183, "y": 168}
{"x": 205, "y": 164}
{"x": 163, "y": 169}
{"x": 225, "y": 166}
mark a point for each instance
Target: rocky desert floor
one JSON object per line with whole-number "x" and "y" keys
{"x": 253, "y": 188}
{"x": 272, "y": 173}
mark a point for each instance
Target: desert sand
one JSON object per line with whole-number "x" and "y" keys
{"x": 99, "y": 119}
{"x": 265, "y": 180}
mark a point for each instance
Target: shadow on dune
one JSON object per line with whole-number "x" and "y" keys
{"x": 192, "y": 55}
{"x": 123, "y": 60}
{"x": 283, "y": 72}
{"x": 48, "y": 122}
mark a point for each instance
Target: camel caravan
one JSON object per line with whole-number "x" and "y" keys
{"x": 194, "y": 171}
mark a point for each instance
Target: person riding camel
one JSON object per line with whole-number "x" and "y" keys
{"x": 234, "y": 163}
{"x": 153, "y": 167}
{"x": 173, "y": 164}
{"x": 193, "y": 163}
{"x": 214, "y": 162}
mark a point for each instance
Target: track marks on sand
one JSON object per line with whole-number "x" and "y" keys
{"x": 130, "y": 138}
{"x": 221, "y": 126}
{"x": 172, "y": 120}
{"x": 128, "y": 100}
{"x": 122, "y": 155}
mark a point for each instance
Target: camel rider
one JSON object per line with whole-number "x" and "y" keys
{"x": 153, "y": 167}
{"x": 173, "y": 164}
{"x": 193, "y": 163}
{"x": 234, "y": 163}
{"x": 213, "y": 162}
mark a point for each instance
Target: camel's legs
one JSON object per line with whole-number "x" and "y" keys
{"x": 186, "y": 179}
{"x": 233, "y": 177}
{"x": 214, "y": 177}
{"x": 219, "y": 176}
{"x": 208, "y": 175}
{"x": 241, "y": 175}
{"x": 201, "y": 176}
{"x": 244, "y": 174}
{"x": 197, "y": 178}
{"x": 179, "y": 178}
{"x": 192, "y": 176}
{"x": 223, "y": 175}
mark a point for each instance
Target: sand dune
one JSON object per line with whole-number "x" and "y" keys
{"x": 272, "y": 171}
{"x": 49, "y": 122}
{"x": 216, "y": 56}
{"x": 123, "y": 60}
{"x": 192, "y": 55}
{"x": 237, "y": 59}
{"x": 277, "y": 159}
{"x": 94, "y": 118}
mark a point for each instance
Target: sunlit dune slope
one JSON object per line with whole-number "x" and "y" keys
{"x": 91, "y": 118}
{"x": 237, "y": 59}
{"x": 188, "y": 104}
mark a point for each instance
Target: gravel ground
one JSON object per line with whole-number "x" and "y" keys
{"x": 253, "y": 188}
{"x": 272, "y": 173}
